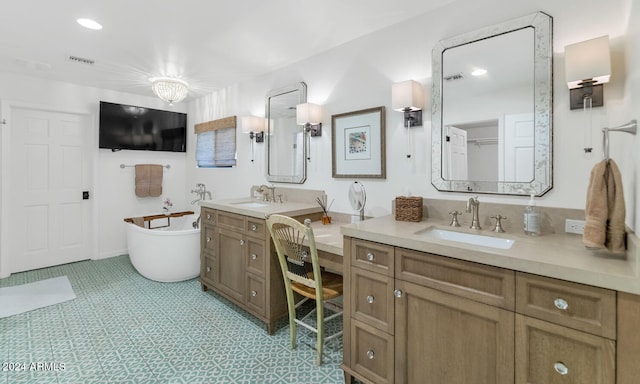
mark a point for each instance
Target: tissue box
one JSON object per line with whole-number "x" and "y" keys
{"x": 409, "y": 208}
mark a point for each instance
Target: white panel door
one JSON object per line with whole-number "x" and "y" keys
{"x": 50, "y": 221}
{"x": 455, "y": 156}
{"x": 518, "y": 148}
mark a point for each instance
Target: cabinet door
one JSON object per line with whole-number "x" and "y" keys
{"x": 443, "y": 338}
{"x": 552, "y": 354}
{"x": 230, "y": 272}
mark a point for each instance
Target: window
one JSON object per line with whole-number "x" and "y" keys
{"x": 216, "y": 143}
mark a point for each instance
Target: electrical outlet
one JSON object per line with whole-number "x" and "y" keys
{"x": 574, "y": 226}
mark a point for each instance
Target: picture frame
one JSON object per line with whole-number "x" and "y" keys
{"x": 358, "y": 144}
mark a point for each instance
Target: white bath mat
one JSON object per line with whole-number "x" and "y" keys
{"x": 27, "y": 297}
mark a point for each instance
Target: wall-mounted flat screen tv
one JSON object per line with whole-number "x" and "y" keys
{"x": 129, "y": 127}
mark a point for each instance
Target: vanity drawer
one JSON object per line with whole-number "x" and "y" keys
{"x": 207, "y": 217}
{"x": 550, "y": 353}
{"x": 582, "y": 307}
{"x": 486, "y": 284}
{"x": 256, "y": 294}
{"x": 372, "y": 256}
{"x": 256, "y": 228}
{"x": 207, "y": 270}
{"x": 372, "y": 353}
{"x": 231, "y": 221}
{"x": 208, "y": 240}
{"x": 256, "y": 260}
{"x": 372, "y": 299}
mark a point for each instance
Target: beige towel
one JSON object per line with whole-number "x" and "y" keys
{"x": 605, "y": 210}
{"x": 139, "y": 221}
{"x": 155, "y": 183}
{"x": 148, "y": 180}
{"x": 616, "y": 218}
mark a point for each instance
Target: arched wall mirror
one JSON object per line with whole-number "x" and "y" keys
{"x": 285, "y": 139}
{"x": 492, "y": 109}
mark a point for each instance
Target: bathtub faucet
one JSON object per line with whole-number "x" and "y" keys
{"x": 201, "y": 191}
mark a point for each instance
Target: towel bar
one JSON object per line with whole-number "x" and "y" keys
{"x": 132, "y": 166}
{"x": 631, "y": 127}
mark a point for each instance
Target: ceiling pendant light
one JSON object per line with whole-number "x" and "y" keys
{"x": 169, "y": 89}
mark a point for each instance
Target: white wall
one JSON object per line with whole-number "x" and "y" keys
{"x": 359, "y": 75}
{"x": 629, "y": 162}
{"x": 112, "y": 194}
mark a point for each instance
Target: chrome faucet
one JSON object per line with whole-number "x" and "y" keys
{"x": 201, "y": 191}
{"x": 473, "y": 205}
{"x": 272, "y": 191}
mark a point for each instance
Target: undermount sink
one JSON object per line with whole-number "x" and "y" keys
{"x": 467, "y": 238}
{"x": 250, "y": 204}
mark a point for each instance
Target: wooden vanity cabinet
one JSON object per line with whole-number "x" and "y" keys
{"x": 237, "y": 263}
{"x": 424, "y": 318}
{"x": 410, "y": 319}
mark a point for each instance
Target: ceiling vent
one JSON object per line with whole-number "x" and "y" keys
{"x": 455, "y": 76}
{"x": 81, "y": 60}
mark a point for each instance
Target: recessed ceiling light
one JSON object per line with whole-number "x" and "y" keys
{"x": 88, "y": 23}
{"x": 479, "y": 72}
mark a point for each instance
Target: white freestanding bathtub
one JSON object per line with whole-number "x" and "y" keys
{"x": 167, "y": 254}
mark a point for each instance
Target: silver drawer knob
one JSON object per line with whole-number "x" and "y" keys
{"x": 370, "y": 354}
{"x": 254, "y": 293}
{"x": 208, "y": 269}
{"x": 254, "y": 227}
{"x": 254, "y": 256}
{"x": 208, "y": 216}
{"x": 370, "y": 256}
{"x": 241, "y": 242}
{"x": 561, "y": 304}
{"x": 561, "y": 368}
{"x": 397, "y": 293}
{"x": 370, "y": 299}
{"x": 208, "y": 239}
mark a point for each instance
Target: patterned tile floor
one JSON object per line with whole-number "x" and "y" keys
{"x": 123, "y": 328}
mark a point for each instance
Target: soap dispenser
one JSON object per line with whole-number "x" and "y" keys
{"x": 531, "y": 218}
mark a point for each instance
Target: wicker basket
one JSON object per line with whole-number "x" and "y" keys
{"x": 409, "y": 208}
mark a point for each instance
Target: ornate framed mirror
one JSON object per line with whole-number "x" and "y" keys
{"x": 286, "y": 152}
{"x": 492, "y": 109}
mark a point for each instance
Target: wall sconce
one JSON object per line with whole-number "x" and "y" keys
{"x": 310, "y": 115}
{"x": 254, "y": 126}
{"x": 587, "y": 67}
{"x": 408, "y": 97}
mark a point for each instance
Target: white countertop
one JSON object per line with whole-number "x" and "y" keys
{"x": 561, "y": 256}
{"x": 248, "y": 207}
{"x": 328, "y": 237}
